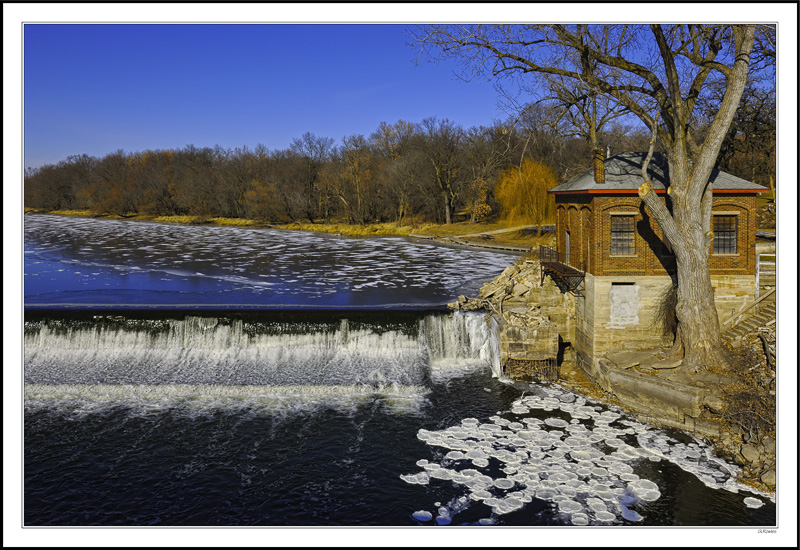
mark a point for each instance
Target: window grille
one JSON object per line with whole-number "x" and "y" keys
{"x": 623, "y": 235}
{"x": 725, "y": 234}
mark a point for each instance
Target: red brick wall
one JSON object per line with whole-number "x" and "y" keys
{"x": 744, "y": 262}
{"x": 576, "y": 217}
{"x": 588, "y": 219}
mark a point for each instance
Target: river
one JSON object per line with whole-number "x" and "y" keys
{"x": 218, "y": 376}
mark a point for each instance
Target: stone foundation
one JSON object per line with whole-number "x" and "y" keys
{"x": 656, "y": 399}
{"x": 528, "y": 344}
{"x": 621, "y": 312}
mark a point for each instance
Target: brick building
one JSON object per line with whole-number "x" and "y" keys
{"x": 611, "y": 253}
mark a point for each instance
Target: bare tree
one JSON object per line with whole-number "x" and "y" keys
{"x": 485, "y": 151}
{"x": 314, "y": 151}
{"x": 396, "y": 164}
{"x": 657, "y": 73}
{"x": 443, "y": 140}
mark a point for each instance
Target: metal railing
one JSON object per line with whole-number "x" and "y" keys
{"x": 735, "y": 318}
{"x": 549, "y": 254}
{"x": 554, "y": 255}
{"x": 769, "y": 272}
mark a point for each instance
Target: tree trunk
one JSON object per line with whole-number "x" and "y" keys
{"x": 688, "y": 227}
{"x": 447, "y": 208}
{"x": 698, "y": 334}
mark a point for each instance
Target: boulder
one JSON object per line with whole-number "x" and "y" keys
{"x": 768, "y": 478}
{"x": 520, "y": 289}
{"x": 750, "y": 452}
{"x": 715, "y": 403}
{"x": 510, "y": 271}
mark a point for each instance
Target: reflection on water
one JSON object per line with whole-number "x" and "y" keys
{"x": 85, "y": 262}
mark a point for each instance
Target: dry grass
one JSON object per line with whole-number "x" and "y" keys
{"x": 369, "y": 230}
{"x": 73, "y": 212}
{"x": 456, "y": 229}
{"x": 175, "y": 219}
{"x": 512, "y": 238}
{"x": 239, "y": 222}
{"x": 517, "y": 238}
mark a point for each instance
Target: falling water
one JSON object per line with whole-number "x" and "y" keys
{"x": 202, "y": 355}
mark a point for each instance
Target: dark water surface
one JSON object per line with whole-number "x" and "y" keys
{"x": 373, "y": 416}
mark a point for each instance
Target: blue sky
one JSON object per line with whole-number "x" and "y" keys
{"x": 101, "y": 87}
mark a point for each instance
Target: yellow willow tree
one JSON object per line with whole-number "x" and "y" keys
{"x": 522, "y": 194}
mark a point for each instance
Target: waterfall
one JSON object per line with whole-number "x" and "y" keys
{"x": 216, "y": 351}
{"x": 462, "y": 336}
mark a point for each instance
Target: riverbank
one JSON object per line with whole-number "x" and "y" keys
{"x": 734, "y": 410}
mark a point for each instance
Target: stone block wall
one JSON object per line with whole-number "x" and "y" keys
{"x": 530, "y": 344}
{"x": 732, "y": 293}
{"x": 620, "y": 312}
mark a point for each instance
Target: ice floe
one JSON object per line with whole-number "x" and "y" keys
{"x": 751, "y": 502}
{"x": 590, "y": 469}
{"x": 422, "y": 515}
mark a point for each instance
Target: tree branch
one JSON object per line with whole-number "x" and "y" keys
{"x": 649, "y": 197}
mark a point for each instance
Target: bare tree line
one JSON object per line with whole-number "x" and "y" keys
{"x": 432, "y": 171}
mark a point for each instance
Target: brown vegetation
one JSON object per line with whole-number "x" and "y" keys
{"x": 403, "y": 173}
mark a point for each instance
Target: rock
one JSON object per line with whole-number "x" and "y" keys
{"x": 750, "y": 452}
{"x": 715, "y": 403}
{"x": 605, "y": 364}
{"x": 769, "y": 445}
{"x": 768, "y": 478}
{"x": 668, "y": 363}
{"x": 490, "y": 289}
{"x": 628, "y": 359}
{"x": 520, "y": 289}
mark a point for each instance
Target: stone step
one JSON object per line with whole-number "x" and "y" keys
{"x": 753, "y": 320}
{"x": 745, "y": 327}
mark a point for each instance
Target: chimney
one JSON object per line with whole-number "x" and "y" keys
{"x": 599, "y": 166}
